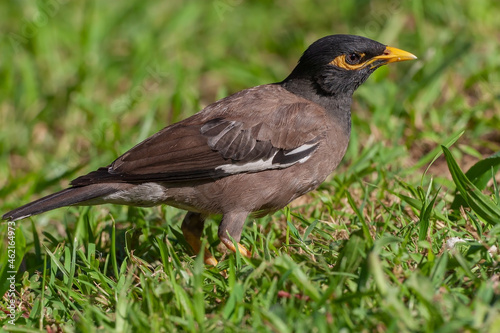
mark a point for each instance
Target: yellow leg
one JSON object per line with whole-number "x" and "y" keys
{"x": 195, "y": 244}
{"x": 230, "y": 228}
{"x": 192, "y": 228}
{"x": 230, "y": 245}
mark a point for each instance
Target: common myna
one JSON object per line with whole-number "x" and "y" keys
{"x": 252, "y": 152}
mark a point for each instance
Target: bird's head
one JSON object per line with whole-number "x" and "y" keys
{"x": 339, "y": 64}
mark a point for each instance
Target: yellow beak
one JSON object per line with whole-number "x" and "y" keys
{"x": 392, "y": 54}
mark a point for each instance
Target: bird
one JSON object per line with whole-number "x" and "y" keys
{"x": 248, "y": 154}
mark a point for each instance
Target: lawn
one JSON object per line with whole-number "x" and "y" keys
{"x": 398, "y": 239}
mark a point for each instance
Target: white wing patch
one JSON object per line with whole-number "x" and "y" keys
{"x": 268, "y": 164}
{"x": 259, "y": 165}
{"x": 301, "y": 149}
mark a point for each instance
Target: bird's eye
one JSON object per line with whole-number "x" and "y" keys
{"x": 349, "y": 61}
{"x": 353, "y": 58}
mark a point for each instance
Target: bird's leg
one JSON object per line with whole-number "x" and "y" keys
{"x": 192, "y": 228}
{"x": 232, "y": 225}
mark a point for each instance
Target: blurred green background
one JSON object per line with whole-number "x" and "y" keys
{"x": 83, "y": 81}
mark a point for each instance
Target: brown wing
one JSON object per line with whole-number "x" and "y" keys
{"x": 257, "y": 129}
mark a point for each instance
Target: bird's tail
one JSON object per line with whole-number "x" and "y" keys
{"x": 67, "y": 197}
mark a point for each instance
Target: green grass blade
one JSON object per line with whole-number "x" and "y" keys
{"x": 425, "y": 216}
{"x": 479, "y": 174}
{"x": 359, "y": 214}
{"x": 57, "y": 263}
{"x": 477, "y": 201}
{"x": 114, "y": 261}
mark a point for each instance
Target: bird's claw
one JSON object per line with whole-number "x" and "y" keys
{"x": 230, "y": 245}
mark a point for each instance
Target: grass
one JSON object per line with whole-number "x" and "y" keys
{"x": 369, "y": 251}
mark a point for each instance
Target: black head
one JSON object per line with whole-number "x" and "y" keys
{"x": 339, "y": 64}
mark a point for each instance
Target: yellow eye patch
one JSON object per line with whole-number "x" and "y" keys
{"x": 390, "y": 54}
{"x": 341, "y": 62}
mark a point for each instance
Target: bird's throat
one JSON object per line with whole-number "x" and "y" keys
{"x": 338, "y": 106}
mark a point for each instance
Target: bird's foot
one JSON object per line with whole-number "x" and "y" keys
{"x": 230, "y": 245}
{"x": 210, "y": 259}
{"x": 195, "y": 243}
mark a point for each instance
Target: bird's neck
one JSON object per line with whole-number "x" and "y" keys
{"x": 338, "y": 106}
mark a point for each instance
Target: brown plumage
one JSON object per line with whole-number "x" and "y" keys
{"x": 252, "y": 152}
